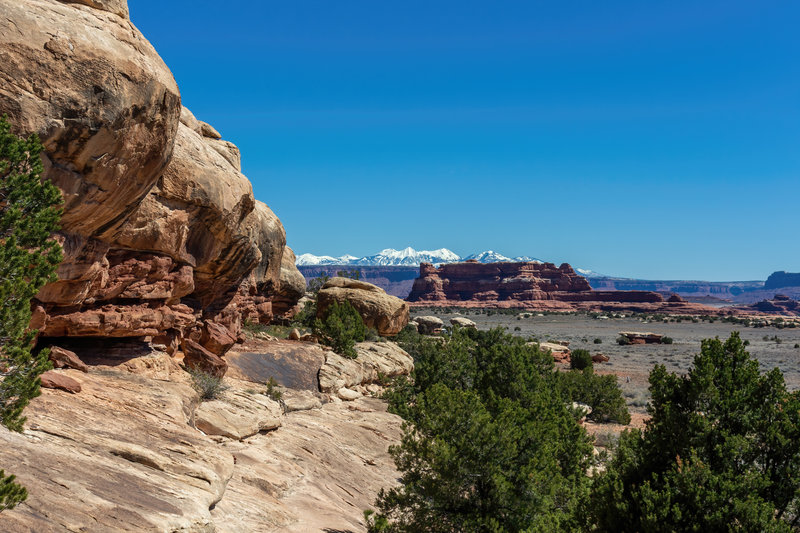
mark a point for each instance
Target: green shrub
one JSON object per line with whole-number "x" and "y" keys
{"x": 622, "y": 340}
{"x": 721, "y": 452}
{"x": 666, "y": 340}
{"x": 341, "y": 328}
{"x": 207, "y": 385}
{"x": 600, "y": 392}
{"x": 580, "y": 359}
{"x": 489, "y": 444}
{"x": 272, "y": 389}
{"x": 315, "y": 284}
{"x": 306, "y": 316}
{"x": 598, "y": 341}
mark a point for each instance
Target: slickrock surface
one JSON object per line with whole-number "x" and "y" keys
{"x": 318, "y": 472}
{"x": 388, "y": 314}
{"x": 161, "y": 233}
{"x": 534, "y": 286}
{"x": 125, "y": 454}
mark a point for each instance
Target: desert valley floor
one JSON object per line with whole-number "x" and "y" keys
{"x": 636, "y": 361}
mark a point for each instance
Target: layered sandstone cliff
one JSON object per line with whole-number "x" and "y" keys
{"x": 162, "y": 236}
{"x": 530, "y": 286}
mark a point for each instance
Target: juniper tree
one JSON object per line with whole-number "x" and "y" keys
{"x": 29, "y": 214}
{"x": 721, "y": 452}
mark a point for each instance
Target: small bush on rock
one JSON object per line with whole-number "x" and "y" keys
{"x": 341, "y": 328}
{"x": 207, "y": 385}
{"x": 622, "y": 340}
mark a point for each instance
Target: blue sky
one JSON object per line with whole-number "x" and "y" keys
{"x": 641, "y": 139}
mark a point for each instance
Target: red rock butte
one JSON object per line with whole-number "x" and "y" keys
{"x": 535, "y": 286}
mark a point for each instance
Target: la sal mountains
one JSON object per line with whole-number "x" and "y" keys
{"x": 406, "y": 257}
{"x": 396, "y": 270}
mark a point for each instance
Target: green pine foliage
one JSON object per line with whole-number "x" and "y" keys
{"x": 11, "y": 493}
{"x": 341, "y": 328}
{"x": 29, "y": 213}
{"x": 720, "y": 453}
{"x": 489, "y": 444}
{"x": 600, "y": 392}
{"x": 580, "y": 359}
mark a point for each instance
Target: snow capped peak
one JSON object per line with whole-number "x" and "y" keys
{"x": 410, "y": 257}
{"x": 311, "y": 259}
{"x": 407, "y": 257}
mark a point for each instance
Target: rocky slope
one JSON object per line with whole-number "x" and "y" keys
{"x": 161, "y": 233}
{"x": 135, "y": 449}
{"x": 541, "y": 286}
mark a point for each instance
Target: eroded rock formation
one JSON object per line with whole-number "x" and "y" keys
{"x": 161, "y": 233}
{"x": 538, "y": 286}
{"x": 387, "y": 314}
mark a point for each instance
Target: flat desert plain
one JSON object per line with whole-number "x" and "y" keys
{"x": 633, "y": 363}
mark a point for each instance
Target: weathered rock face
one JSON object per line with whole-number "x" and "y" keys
{"x": 161, "y": 232}
{"x": 292, "y": 286}
{"x": 531, "y": 286}
{"x": 103, "y": 102}
{"x": 387, "y": 314}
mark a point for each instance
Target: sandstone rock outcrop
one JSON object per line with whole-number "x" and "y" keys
{"x": 780, "y": 304}
{"x": 161, "y": 233}
{"x": 463, "y": 322}
{"x": 429, "y": 324}
{"x": 535, "y": 286}
{"x": 124, "y": 455}
{"x": 374, "y": 359}
{"x": 387, "y": 314}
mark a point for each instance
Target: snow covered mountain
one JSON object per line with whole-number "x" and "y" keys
{"x": 586, "y": 273}
{"x": 311, "y": 259}
{"x": 490, "y": 256}
{"x": 409, "y": 257}
{"x": 406, "y": 257}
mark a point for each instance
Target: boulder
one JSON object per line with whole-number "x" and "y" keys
{"x": 300, "y": 400}
{"x": 216, "y": 338}
{"x": 56, "y": 380}
{"x": 599, "y": 358}
{"x": 374, "y": 360}
{"x": 238, "y": 415}
{"x": 198, "y": 358}
{"x": 429, "y": 325}
{"x": 463, "y": 322}
{"x": 348, "y": 395}
{"x": 62, "y": 358}
{"x": 294, "y": 335}
{"x": 387, "y": 314}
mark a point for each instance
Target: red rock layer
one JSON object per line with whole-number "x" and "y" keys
{"x": 535, "y": 286}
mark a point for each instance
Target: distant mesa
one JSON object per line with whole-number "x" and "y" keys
{"x": 529, "y": 285}
{"x": 778, "y": 280}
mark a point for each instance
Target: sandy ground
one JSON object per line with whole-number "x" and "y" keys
{"x": 633, "y": 363}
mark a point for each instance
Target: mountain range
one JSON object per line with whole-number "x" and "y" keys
{"x": 407, "y": 257}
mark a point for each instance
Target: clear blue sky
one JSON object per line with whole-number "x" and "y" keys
{"x": 640, "y": 139}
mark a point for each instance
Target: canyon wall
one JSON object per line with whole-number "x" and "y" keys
{"x": 162, "y": 236}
